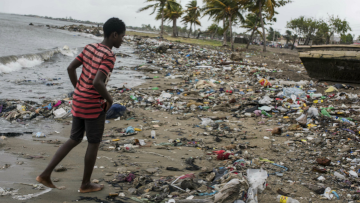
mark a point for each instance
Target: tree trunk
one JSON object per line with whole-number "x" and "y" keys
{"x": 224, "y": 34}
{"x": 162, "y": 23}
{"x": 292, "y": 47}
{"x": 177, "y": 31}
{"x": 212, "y": 37}
{"x": 262, "y": 25}
{"x": 231, "y": 34}
{"x": 194, "y": 30}
{"x": 251, "y": 37}
{"x": 174, "y": 27}
{"x": 190, "y": 30}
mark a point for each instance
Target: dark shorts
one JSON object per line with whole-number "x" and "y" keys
{"x": 94, "y": 128}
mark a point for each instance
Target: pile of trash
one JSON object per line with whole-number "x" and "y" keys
{"x": 318, "y": 121}
{"x": 312, "y": 128}
{"x": 15, "y": 110}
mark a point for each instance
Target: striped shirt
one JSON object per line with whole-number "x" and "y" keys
{"x": 87, "y": 102}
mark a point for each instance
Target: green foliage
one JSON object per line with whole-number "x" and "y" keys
{"x": 171, "y": 13}
{"x": 160, "y": 6}
{"x": 303, "y": 26}
{"x": 273, "y": 34}
{"x": 192, "y": 13}
{"x": 346, "y": 39}
{"x": 320, "y": 30}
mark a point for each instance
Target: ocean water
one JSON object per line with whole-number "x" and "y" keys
{"x": 33, "y": 61}
{"x": 33, "y": 66}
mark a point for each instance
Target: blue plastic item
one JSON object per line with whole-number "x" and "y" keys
{"x": 337, "y": 196}
{"x": 48, "y": 107}
{"x": 115, "y": 111}
{"x": 129, "y": 129}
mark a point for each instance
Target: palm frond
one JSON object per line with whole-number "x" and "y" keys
{"x": 145, "y": 8}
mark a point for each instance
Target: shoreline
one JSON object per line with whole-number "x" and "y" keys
{"x": 242, "y": 136}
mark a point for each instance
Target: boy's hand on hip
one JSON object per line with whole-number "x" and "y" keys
{"x": 108, "y": 105}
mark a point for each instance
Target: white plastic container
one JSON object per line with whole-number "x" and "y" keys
{"x": 38, "y": 135}
{"x": 338, "y": 175}
{"x": 153, "y": 134}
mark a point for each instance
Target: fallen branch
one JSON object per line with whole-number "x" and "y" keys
{"x": 229, "y": 63}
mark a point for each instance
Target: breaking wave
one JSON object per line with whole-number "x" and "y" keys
{"x": 15, "y": 63}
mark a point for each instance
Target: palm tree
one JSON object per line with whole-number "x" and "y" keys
{"x": 226, "y": 8}
{"x": 160, "y": 5}
{"x": 172, "y": 14}
{"x": 267, "y": 6}
{"x": 213, "y": 29}
{"x": 192, "y": 15}
{"x": 252, "y": 23}
{"x": 216, "y": 13}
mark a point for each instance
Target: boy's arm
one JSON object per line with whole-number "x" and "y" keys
{"x": 72, "y": 71}
{"x": 99, "y": 85}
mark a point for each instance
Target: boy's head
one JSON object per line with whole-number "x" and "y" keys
{"x": 114, "y": 30}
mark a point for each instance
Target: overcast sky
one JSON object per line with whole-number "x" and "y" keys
{"x": 101, "y": 10}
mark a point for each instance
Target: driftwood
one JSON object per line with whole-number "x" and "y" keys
{"x": 229, "y": 63}
{"x": 195, "y": 201}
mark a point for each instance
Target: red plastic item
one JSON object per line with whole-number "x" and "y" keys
{"x": 223, "y": 156}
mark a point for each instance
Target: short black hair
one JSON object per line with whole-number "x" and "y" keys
{"x": 114, "y": 25}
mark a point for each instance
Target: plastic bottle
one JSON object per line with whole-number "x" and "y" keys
{"x": 133, "y": 97}
{"x": 294, "y": 106}
{"x": 284, "y": 199}
{"x": 265, "y": 113}
{"x": 347, "y": 121}
{"x": 325, "y": 113}
{"x": 313, "y": 95}
{"x": 153, "y": 134}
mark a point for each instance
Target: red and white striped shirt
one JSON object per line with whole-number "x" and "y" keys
{"x": 86, "y": 100}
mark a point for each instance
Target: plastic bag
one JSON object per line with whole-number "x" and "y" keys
{"x": 331, "y": 89}
{"x": 252, "y": 196}
{"x": 115, "y": 111}
{"x": 302, "y": 119}
{"x": 265, "y": 108}
{"x": 229, "y": 192}
{"x": 294, "y": 91}
{"x": 130, "y": 129}
{"x": 206, "y": 121}
{"x": 265, "y": 100}
{"x": 313, "y": 112}
{"x": 257, "y": 178}
{"x": 165, "y": 95}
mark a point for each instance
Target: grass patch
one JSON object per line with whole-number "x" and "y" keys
{"x": 204, "y": 42}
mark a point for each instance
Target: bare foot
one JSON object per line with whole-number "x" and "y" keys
{"x": 91, "y": 187}
{"x": 45, "y": 181}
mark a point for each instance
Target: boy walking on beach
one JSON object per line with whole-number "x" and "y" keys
{"x": 89, "y": 107}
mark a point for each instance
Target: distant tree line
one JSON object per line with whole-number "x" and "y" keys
{"x": 319, "y": 31}
{"x": 229, "y": 12}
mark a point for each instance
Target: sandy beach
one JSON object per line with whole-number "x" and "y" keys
{"x": 247, "y": 138}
